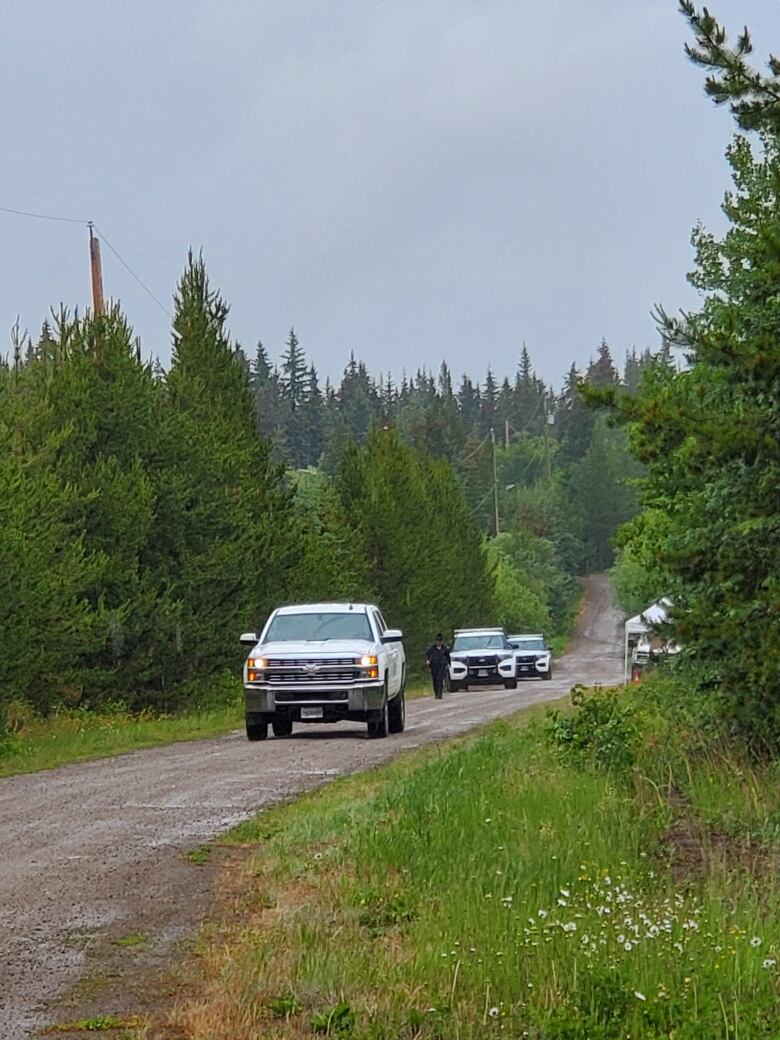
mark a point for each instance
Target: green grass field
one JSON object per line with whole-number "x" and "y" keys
{"x": 490, "y": 888}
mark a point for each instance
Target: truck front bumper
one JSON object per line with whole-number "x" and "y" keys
{"x": 343, "y": 701}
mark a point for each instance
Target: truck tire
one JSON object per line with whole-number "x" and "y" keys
{"x": 256, "y": 729}
{"x": 454, "y": 687}
{"x": 396, "y": 713}
{"x": 282, "y": 727}
{"x": 548, "y": 673}
{"x": 378, "y": 728}
{"x": 510, "y": 684}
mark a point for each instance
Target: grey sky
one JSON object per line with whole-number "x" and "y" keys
{"x": 408, "y": 179}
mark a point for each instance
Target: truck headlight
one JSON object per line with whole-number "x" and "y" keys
{"x": 257, "y": 662}
{"x": 367, "y": 660}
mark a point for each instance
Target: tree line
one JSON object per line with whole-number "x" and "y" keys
{"x": 147, "y": 515}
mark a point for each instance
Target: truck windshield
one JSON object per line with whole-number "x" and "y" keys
{"x": 528, "y": 644}
{"x": 488, "y": 641}
{"x": 287, "y": 628}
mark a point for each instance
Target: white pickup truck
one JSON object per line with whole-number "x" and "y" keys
{"x": 324, "y": 662}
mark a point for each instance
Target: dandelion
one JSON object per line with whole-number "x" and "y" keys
{"x": 755, "y": 942}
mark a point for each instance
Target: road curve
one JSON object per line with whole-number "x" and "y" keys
{"x": 94, "y": 851}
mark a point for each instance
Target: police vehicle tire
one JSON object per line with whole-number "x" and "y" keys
{"x": 510, "y": 684}
{"x": 282, "y": 727}
{"x": 454, "y": 687}
{"x": 396, "y": 713}
{"x": 256, "y": 730}
{"x": 548, "y": 673}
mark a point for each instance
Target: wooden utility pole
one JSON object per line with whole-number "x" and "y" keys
{"x": 97, "y": 272}
{"x": 506, "y": 433}
{"x": 496, "y": 527}
{"x": 549, "y": 419}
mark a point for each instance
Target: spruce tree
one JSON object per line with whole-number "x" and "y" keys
{"x": 226, "y": 514}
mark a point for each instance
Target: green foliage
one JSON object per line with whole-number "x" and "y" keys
{"x": 639, "y": 576}
{"x": 601, "y": 492}
{"x": 284, "y": 1007}
{"x": 427, "y": 561}
{"x": 604, "y": 731}
{"x": 332, "y": 563}
{"x": 338, "y": 1020}
{"x": 710, "y": 440}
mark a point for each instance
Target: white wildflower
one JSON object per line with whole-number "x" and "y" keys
{"x": 755, "y": 942}
{"x": 769, "y": 963}
{"x": 493, "y": 1012}
{"x": 639, "y": 996}
{"x": 542, "y": 913}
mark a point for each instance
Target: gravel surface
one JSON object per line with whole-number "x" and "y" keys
{"x": 95, "y": 852}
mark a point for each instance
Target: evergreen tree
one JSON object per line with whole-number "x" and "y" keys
{"x": 226, "y": 514}
{"x": 602, "y": 371}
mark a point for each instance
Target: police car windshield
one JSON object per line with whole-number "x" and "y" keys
{"x": 488, "y": 641}
{"x": 528, "y": 644}
{"x": 286, "y": 628}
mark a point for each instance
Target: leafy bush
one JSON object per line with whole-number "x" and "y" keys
{"x": 604, "y": 731}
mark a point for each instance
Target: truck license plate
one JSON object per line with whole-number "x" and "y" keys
{"x": 311, "y": 713}
{"x": 482, "y": 672}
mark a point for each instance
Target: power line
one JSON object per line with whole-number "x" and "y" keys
{"x": 42, "y": 216}
{"x": 130, "y": 271}
{"x": 90, "y": 224}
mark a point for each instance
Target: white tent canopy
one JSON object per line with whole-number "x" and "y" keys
{"x": 655, "y": 614}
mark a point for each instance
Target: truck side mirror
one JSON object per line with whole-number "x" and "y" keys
{"x": 392, "y": 635}
{"x": 248, "y": 639}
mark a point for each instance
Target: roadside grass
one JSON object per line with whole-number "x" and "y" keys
{"x": 494, "y": 888}
{"x": 79, "y": 735}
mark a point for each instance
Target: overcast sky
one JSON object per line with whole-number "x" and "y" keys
{"x": 409, "y": 179}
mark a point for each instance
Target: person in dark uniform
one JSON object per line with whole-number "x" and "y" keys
{"x": 438, "y": 657}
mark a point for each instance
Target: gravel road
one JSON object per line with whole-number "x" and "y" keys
{"x": 94, "y": 852}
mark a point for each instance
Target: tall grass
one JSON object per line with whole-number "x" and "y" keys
{"x": 492, "y": 890}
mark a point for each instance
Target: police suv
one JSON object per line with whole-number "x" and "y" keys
{"x": 481, "y": 657}
{"x": 533, "y": 656}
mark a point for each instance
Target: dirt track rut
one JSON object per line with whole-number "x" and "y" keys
{"x": 94, "y": 852}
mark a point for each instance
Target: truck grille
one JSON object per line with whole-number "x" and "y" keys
{"x": 301, "y": 662}
{"x": 309, "y": 671}
{"x": 288, "y": 675}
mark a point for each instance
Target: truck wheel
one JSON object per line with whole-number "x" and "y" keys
{"x": 454, "y": 687}
{"x": 396, "y": 713}
{"x": 510, "y": 684}
{"x": 548, "y": 673}
{"x": 256, "y": 730}
{"x": 377, "y": 728}
{"x": 282, "y": 727}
